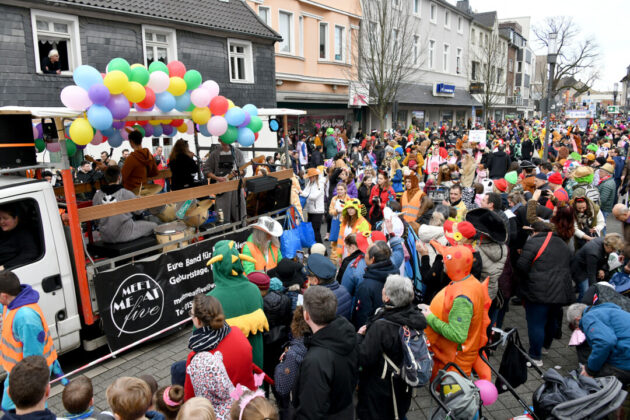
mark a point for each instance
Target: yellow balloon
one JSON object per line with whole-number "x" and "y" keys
{"x": 116, "y": 81}
{"x": 176, "y": 86}
{"x": 135, "y": 92}
{"x": 182, "y": 128}
{"x": 155, "y": 122}
{"x": 201, "y": 115}
{"x": 133, "y": 66}
{"x": 81, "y": 131}
{"x": 230, "y": 104}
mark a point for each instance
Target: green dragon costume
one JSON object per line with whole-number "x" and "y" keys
{"x": 241, "y": 300}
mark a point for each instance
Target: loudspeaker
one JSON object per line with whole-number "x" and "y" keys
{"x": 17, "y": 146}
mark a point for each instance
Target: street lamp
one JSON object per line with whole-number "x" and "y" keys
{"x": 552, "y": 56}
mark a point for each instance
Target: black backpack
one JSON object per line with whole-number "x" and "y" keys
{"x": 513, "y": 364}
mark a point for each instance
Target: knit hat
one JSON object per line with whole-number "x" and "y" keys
{"x": 275, "y": 284}
{"x": 511, "y": 177}
{"x": 500, "y": 184}
{"x": 555, "y": 178}
{"x": 561, "y": 195}
{"x": 260, "y": 279}
{"x": 318, "y": 249}
{"x": 541, "y": 176}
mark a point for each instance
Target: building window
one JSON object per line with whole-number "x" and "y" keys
{"x": 472, "y": 37}
{"x": 447, "y": 19}
{"x": 339, "y": 42}
{"x": 519, "y": 67}
{"x": 241, "y": 61}
{"x": 285, "y": 25}
{"x": 416, "y": 49}
{"x": 445, "y": 58}
{"x": 474, "y": 71}
{"x": 460, "y": 25}
{"x": 458, "y": 61}
{"x": 485, "y": 40}
{"x": 54, "y": 31}
{"x": 499, "y": 76}
{"x": 431, "y": 53}
{"x": 159, "y": 45}
{"x": 480, "y": 39}
{"x": 301, "y": 29}
{"x": 265, "y": 14}
{"x": 433, "y": 16}
{"x": 416, "y": 7}
{"x": 323, "y": 41}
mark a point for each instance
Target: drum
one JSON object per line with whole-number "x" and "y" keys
{"x": 170, "y": 232}
{"x": 168, "y": 212}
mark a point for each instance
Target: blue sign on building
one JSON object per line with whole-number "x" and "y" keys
{"x": 444, "y": 88}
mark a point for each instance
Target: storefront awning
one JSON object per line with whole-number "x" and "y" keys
{"x": 415, "y": 94}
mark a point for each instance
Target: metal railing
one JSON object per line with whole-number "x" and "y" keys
{"x": 517, "y": 101}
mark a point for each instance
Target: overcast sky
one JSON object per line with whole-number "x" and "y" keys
{"x": 607, "y": 20}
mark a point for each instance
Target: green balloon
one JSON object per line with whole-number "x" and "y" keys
{"x": 119, "y": 64}
{"x": 191, "y": 108}
{"x": 140, "y": 75}
{"x": 139, "y": 128}
{"x": 255, "y": 124}
{"x": 40, "y": 145}
{"x": 71, "y": 148}
{"x": 230, "y": 135}
{"x": 192, "y": 79}
{"x": 158, "y": 66}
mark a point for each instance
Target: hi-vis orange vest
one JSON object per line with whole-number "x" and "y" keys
{"x": 361, "y": 222}
{"x": 466, "y": 355}
{"x": 12, "y": 350}
{"x": 261, "y": 264}
{"x": 410, "y": 208}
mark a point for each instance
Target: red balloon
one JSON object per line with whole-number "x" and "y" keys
{"x": 130, "y": 123}
{"x": 176, "y": 69}
{"x": 177, "y": 123}
{"x": 149, "y": 99}
{"x": 256, "y": 135}
{"x": 219, "y": 105}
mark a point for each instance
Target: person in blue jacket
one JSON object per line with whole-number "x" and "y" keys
{"x": 320, "y": 271}
{"x": 606, "y": 329}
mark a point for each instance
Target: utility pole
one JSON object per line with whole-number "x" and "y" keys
{"x": 552, "y": 56}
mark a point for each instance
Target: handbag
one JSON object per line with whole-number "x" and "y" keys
{"x": 335, "y": 224}
{"x": 290, "y": 242}
{"x": 513, "y": 366}
{"x": 305, "y": 229}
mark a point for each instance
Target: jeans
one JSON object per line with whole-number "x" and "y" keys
{"x": 606, "y": 214}
{"x": 541, "y": 326}
{"x": 582, "y": 287}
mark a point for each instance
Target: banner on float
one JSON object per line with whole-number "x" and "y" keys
{"x": 477, "y": 136}
{"x": 138, "y": 299}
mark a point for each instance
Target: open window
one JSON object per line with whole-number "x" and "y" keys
{"x": 21, "y": 233}
{"x": 56, "y": 31}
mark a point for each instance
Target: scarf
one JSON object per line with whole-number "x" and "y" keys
{"x": 206, "y": 338}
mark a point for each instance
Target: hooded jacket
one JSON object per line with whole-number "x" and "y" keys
{"x": 381, "y": 337}
{"x": 498, "y": 164}
{"x": 344, "y": 300}
{"x": 277, "y": 307}
{"x": 139, "y": 165}
{"x": 369, "y": 296}
{"x": 493, "y": 258}
{"x": 328, "y": 373}
{"x": 606, "y": 330}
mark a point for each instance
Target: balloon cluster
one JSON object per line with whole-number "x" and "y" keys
{"x": 106, "y": 100}
{"x": 71, "y": 147}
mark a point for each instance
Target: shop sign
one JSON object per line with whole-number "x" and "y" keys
{"x": 443, "y": 89}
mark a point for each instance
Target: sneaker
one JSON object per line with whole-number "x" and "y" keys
{"x": 538, "y": 363}
{"x": 544, "y": 351}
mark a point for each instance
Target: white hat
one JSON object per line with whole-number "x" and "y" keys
{"x": 267, "y": 224}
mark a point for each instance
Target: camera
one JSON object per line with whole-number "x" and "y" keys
{"x": 375, "y": 200}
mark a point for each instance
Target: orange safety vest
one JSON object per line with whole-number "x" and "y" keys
{"x": 261, "y": 264}
{"x": 410, "y": 208}
{"x": 466, "y": 355}
{"x": 342, "y": 229}
{"x": 12, "y": 350}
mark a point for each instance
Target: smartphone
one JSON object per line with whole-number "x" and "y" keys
{"x": 300, "y": 256}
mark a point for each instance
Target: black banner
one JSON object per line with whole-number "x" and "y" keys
{"x": 139, "y": 299}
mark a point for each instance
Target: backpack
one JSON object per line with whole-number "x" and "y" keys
{"x": 458, "y": 395}
{"x": 417, "y": 363}
{"x": 587, "y": 191}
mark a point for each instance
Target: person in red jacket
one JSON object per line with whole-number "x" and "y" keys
{"x": 213, "y": 335}
{"x": 381, "y": 193}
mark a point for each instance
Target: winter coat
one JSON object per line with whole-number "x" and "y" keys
{"x": 183, "y": 171}
{"x": 328, "y": 374}
{"x": 364, "y": 196}
{"x": 607, "y": 332}
{"x": 344, "y": 300}
{"x": 376, "y": 210}
{"x": 498, "y": 164}
{"x": 527, "y": 149}
{"x": 352, "y": 190}
{"x": 314, "y": 193}
{"x": 139, "y": 165}
{"x": 548, "y": 279}
{"x": 45, "y": 414}
{"x": 587, "y": 260}
{"x": 277, "y": 308}
{"x": 330, "y": 147}
{"x": 427, "y": 233}
{"x": 607, "y": 190}
{"x": 18, "y": 246}
{"x": 287, "y": 371}
{"x": 210, "y": 380}
{"x": 493, "y": 258}
{"x": 369, "y": 293}
{"x": 521, "y": 221}
{"x": 397, "y": 181}
{"x": 344, "y": 264}
{"x": 316, "y": 159}
{"x": 381, "y": 337}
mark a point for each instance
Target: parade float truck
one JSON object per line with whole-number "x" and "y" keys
{"x": 93, "y": 293}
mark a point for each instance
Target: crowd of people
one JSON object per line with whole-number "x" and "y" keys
{"x": 422, "y": 231}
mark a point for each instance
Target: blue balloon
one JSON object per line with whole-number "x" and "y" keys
{"x": 100, "y": 117}
{"x": 157, "y": 130}
{"x": 203, "y": 129}
{"x": 115, "y": 140}
{"x": 235, "y": 116}
{"x": 182, "y": 102}
{"x": 165, "y": 101}
{"x": 246, "y": 137}
{"x": 87, "y": 76}
{"x": 251, "y": 110}
{"x": 108, "y": 132}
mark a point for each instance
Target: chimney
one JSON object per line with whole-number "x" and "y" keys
{"x": 464, "y": 5}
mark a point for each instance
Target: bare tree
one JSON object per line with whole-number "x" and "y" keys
{"x": 490, "y": 58}
{"x": 576, "y": 67}
{"x": 388, "y": 52}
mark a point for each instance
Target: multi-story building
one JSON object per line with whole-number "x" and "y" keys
{"x": 624, "y": 98}
{"x": 315, "y": 59}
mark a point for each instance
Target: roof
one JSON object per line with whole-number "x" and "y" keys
{"x": 423, "y": 95}
{"x": 228, "y": 16}
{"x": 486, "y": 19}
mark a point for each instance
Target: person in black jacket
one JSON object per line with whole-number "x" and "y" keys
{"x": 320, "y": 271}
{"x": 316, "y": 158}
{"x": 328, "y": 373}
{"x": 365, "y": 190}
{"x": 498, "y": 163}
{"x": 18, "y": 244}
{"x": 350, "y": 242}
{"x": 379, "y": 337}
{"x": 546, "y": 286}
{"x": 592, "y": 257}
{"x": 183, "y": 166}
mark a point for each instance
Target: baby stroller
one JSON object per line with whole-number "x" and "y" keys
{"x": 457, "y": 396}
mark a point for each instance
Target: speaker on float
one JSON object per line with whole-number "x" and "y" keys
{"x": 17, "y": 146}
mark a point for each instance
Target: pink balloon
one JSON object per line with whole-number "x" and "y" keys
{"x": 53, "y": 147}
{"x": 75, "y": 98}
{"x": 97, "y": 139}
{"x": 158, "y": 81}
{"x": 212, "y": 86}
{"x": 124, "y": 134}
{"x": 200, "y": 97}
{"x": 191, "y": 127}
{"x": 217, "y": 126}
{"x": 487, "y": 391}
